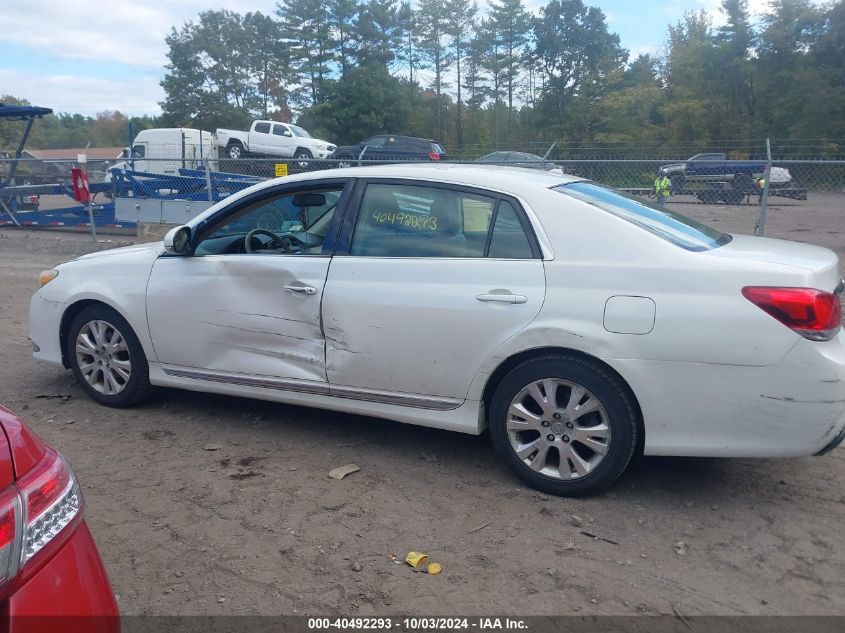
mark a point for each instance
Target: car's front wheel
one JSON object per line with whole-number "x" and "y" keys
{"x": 106, "y": 357}
{"x": 564, "y": 424}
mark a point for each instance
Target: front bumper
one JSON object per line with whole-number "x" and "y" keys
{"x": 45, "y": 319}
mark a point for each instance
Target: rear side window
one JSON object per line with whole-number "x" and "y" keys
{"x": 376, "y": 141}
{"x": 671, "y": 226}
{"x": 508, "y": 239}
{"x": 420, "y": 221}
{"x": 262, "y": 128}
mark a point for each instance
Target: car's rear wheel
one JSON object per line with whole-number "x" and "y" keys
{"x": 743, "y": 182}
{"x": 563, "y": 424}
{"x": 677, "y": 182}
{"x": 344, "y": 162}
{"x": 235, "y": 150}
{"x": 303, "y": 158}
{"x": 106, "y": 357}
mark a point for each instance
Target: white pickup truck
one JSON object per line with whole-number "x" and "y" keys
{"x": 272, "y": 138}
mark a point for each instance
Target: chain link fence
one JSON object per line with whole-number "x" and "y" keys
{"x": 126, "y": 193}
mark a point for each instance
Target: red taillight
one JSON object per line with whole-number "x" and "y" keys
{"x": 52, "y": 499}
{"x": 34, "y": 512}
{"x": 814, "y": 314}
{"x": 10, "y": 510}
{"x": 433, "y": 156}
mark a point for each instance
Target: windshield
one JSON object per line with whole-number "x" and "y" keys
{"x": 671, "y": 226}
{"x": 299, "y": 131}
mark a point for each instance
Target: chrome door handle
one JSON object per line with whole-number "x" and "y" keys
{"x": 502, "y": 298}
{"x": 303, "y": 290}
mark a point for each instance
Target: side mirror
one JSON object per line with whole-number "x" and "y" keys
{"x": 126, "y": 152}
{"x": 288, "y": 133}
{"x": 178, "y": 241}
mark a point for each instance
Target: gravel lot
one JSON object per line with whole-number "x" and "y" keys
{"x": 256, "y": 526}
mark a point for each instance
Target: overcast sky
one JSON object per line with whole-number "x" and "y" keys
{"x": 87, "y": 56}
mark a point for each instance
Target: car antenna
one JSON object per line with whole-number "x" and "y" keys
{"x": 549, "y": 151}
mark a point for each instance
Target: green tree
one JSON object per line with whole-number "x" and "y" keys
{"x": 408, "y": 52}
{"x": 577, "y": 54}
{"x": 307, "y": 34}
{"x": 209, "y": 79}
{"x": 379, "y": 35}
{"x": 512, "y": 24}
{"x": 341, "y": 22}
{"x": 434, "y": 18}
{"x": 461, "y": 24}
{"x": 367, "y": 101}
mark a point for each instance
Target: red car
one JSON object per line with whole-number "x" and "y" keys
{"x": 49, "y": 565}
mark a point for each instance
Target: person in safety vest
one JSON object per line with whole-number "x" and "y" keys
{"x": 662, "y": 187}
{"x": 759, "y": 185}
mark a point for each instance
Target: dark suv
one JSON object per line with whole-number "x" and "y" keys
{"x": 387, "y": 148}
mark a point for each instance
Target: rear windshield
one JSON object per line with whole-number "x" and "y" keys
{"x": 671, "y": 226}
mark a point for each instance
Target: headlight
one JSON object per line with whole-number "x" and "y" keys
{"x": 46, "y": 277}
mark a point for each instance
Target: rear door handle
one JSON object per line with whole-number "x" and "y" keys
{"x": 302, "y": 290}
{"x": 502, "y": 298}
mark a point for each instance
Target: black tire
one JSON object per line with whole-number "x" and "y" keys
{"x": 137, "y": 388}
{"x": 743, "y": 182}
{"x": 235, "y": 150}
{"x": 302, "y": 159}
{"x": 620, "y": 413}
{"x": 344, "y": 161}
{"x": 677, "y": 181}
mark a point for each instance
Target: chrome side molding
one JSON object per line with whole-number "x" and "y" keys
{"x": 317, "y": 388}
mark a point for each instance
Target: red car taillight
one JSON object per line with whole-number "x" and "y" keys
{"x": 433, "y": 156}
{"x": 35, "y": 510}
{"x": 814, "y": 314}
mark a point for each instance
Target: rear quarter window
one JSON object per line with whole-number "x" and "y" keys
{"x": 656, "y": 219}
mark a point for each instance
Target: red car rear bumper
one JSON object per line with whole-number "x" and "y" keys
{"x": 70, "y": 593}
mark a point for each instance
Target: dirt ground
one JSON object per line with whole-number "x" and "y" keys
{"x": 257, "y": 527}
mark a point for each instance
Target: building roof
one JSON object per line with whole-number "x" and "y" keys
{"x": 94, "y": 153}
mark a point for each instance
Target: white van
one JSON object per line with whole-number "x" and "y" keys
{"x": 166, "y": 150}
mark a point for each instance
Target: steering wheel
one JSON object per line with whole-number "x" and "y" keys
{"x": 286, "y": 243}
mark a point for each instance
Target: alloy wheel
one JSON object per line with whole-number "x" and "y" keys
{"x": 558, "y": 429}
{"x": 102, "y": 355}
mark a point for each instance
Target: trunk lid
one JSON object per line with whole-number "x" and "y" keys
{"x": 818, "y": 265}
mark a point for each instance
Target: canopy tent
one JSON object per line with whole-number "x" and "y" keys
{"x": 19, "y": 113}
{"x": 22, "y": 112}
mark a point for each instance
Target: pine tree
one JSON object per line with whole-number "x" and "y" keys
{"x": 512, "y": 25}
{"x": 462, "y": 22}
{"x": 305, "y": 29}
{"x": 434, "y": 18}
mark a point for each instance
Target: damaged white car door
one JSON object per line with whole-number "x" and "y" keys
{"x": 245, "y": 307}
{"x": 433, "y": 279}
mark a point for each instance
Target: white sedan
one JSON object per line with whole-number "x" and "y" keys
{"x": 579, "y": 324}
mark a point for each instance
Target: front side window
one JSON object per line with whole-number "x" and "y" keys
{"x": 139, "y": 151}
{"x": 280, "y": 130}
{"x": 423, "y": 221}
{"x": 671, "y": 226}
{"x": 294, "y": 223}
{"x": 298, "y": 131}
